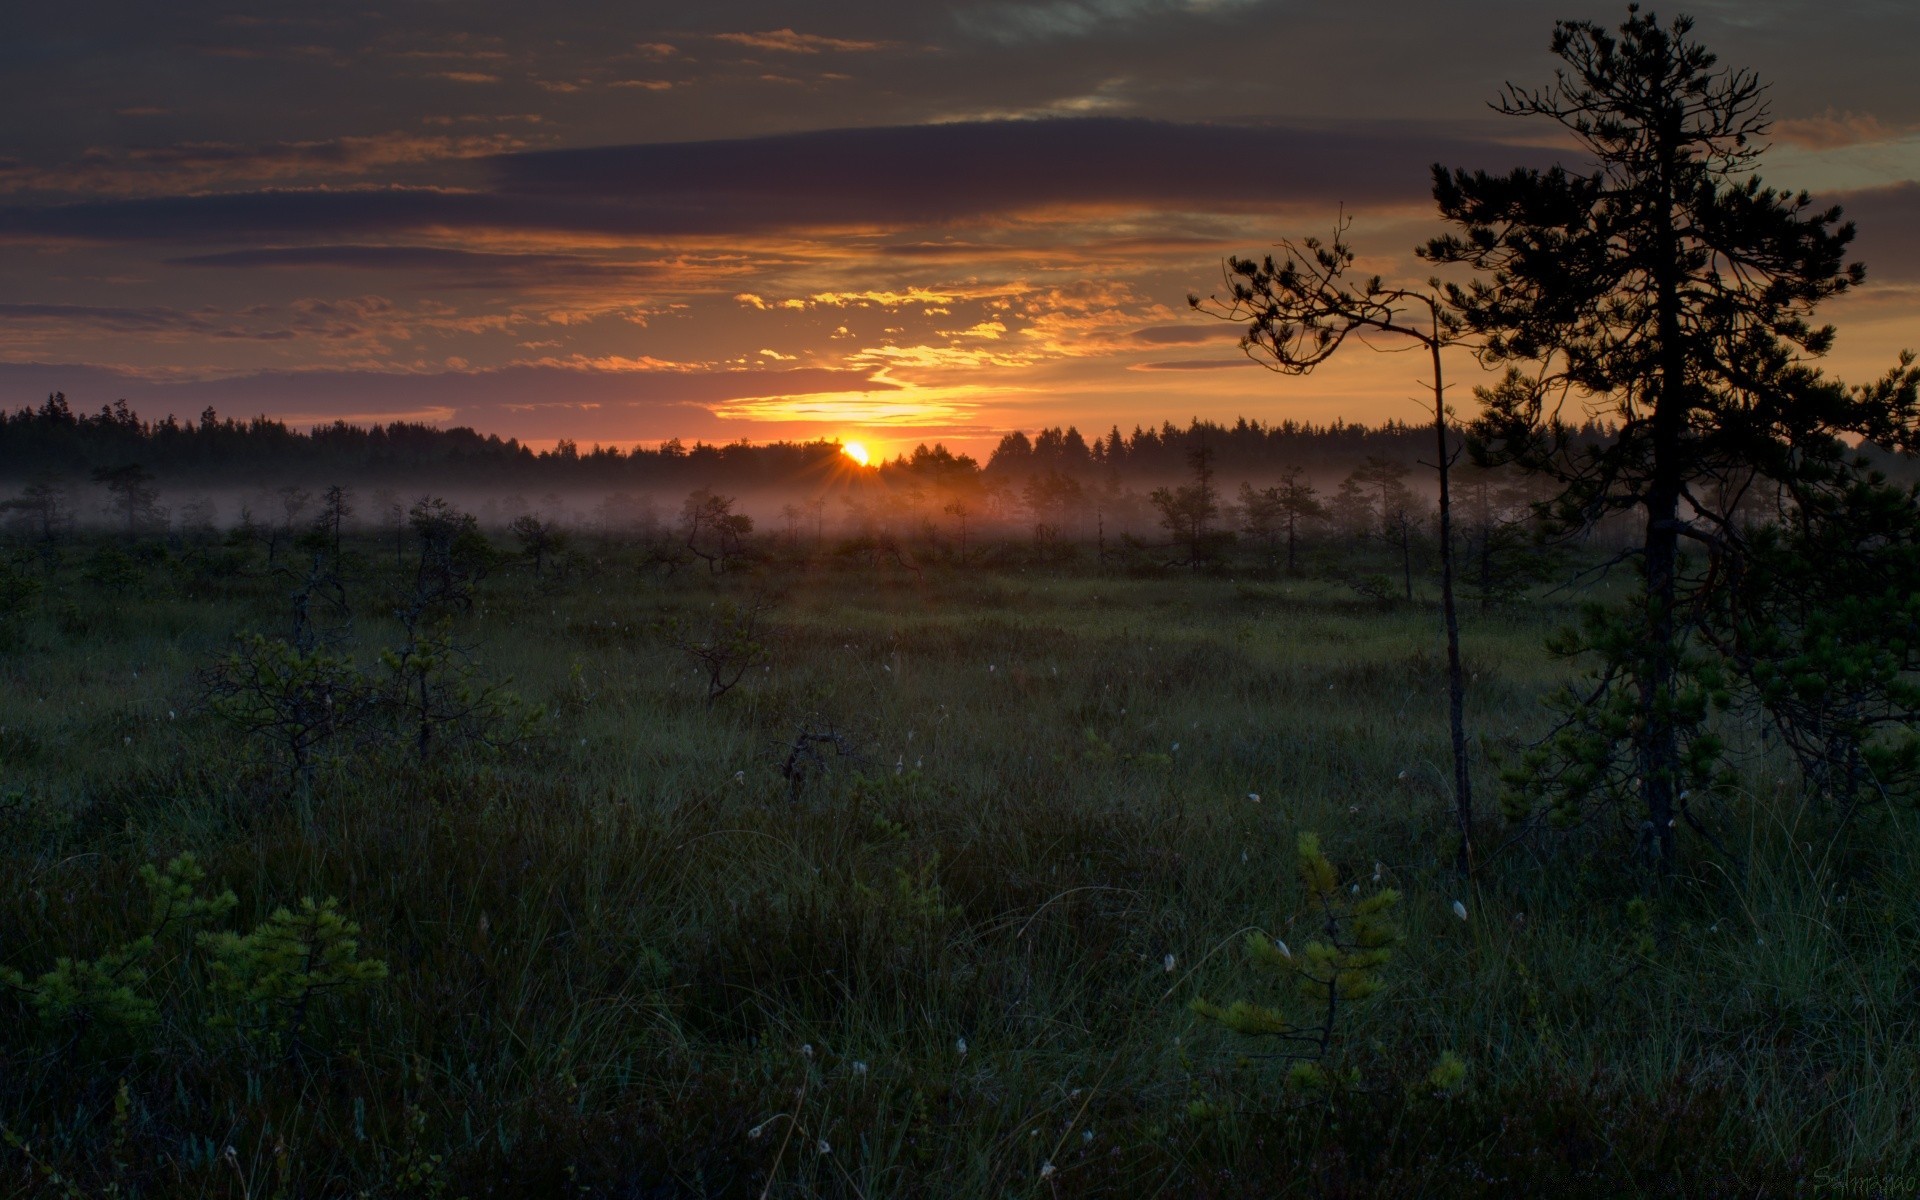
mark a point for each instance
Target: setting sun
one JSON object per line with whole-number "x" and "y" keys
{"x": 856, "y": 452}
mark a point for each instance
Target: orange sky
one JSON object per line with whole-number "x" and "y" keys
{"x": 891, "y": 223}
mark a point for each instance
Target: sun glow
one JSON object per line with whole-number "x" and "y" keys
{"x": 856, "y": 452}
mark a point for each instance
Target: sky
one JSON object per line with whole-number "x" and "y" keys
{"x": 629, "y": 221}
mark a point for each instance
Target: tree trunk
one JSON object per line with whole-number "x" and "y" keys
{"x": 1659, "y": 744}
{"x": 1456, "y": 682}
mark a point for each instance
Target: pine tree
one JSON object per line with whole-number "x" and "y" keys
{"x": 1340, "y": 966}
{"x": 1667, "y": 288}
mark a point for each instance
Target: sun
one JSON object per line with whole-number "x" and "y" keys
{"x": 856, "y": 452}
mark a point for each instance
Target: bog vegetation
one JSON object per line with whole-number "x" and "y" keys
{"x": 957, "y": 844}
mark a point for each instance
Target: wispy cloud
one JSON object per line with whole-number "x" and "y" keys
{"x": 1005, "y": 22}
{"x": 1834, "y": 129}
{"x": 786, "y": 41}
{"x": 199, "y": 166}
{"x": 888, "y": 178}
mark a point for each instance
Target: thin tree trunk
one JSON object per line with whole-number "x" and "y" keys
{"x": 1456, "y": 682}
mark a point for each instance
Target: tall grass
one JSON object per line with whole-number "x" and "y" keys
{"x": 626, "y": 959}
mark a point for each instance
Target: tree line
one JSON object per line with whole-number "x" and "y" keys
{"x": 54, "y": 440}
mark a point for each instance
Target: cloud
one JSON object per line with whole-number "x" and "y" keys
{"x": 1832, "y": 130}
{"x": 895, "y": 177}
{"x": 1193, "y": 364}
{"x": 786, "y": 41}
{"x": 203, "y": 165}
{"x": 153, "y": 321}
{"x": 1057, "y": 19}
{"x": 1184, "y": 335}
{"x": 438, "y": 266}
{"x": 1888, "y": 220}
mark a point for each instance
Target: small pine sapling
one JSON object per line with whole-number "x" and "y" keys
{"x": 434, "y": 694}
{"x": 111, "y": 997}
{"x": 294, "y": 701}
{"x": 731, "y": 647}
{"x": 277, "y": 975}
{"x": 1339, "y": 967}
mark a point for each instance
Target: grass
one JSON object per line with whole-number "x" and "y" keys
{"x": 624, "y": 962}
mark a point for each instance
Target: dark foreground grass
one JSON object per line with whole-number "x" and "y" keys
{"x": 627, "y": 958}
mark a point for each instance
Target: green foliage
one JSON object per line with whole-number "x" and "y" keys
{"x": 299, "y": 704}
{"x": 1339, "y": 966}
{"x": 1187, "y": 512}
{"x": 1590, "y": 762}
{"x": 18, "y": 589}
{"x": 604, "y": 959}
{"x": 435, "y": 695}
{"x": 268, "y": 984}
{"x": 1665, "y": 286}
{"x": 731, "y": 645}
{"x": 275, "y": 976}
{"x": 1448, "y": 1073}
{"x": 452, "y": 557}
{"x": 110, "y": 999}
{"x": 112, "y": 569}
{"x": 1821, "y": 627}
{"x": 539, "y": 540}
{"x": 915, "y": 904}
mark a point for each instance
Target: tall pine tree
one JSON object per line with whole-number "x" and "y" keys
{"x": 1667, "y": 291}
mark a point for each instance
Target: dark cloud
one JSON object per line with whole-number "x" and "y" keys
{"x": 135, "y": 320}
{"x": 438, "y": 266}
{"x": 1887, "y": 220}
{"x": 897, "y": 177}
{"x": 1185, "y": 335}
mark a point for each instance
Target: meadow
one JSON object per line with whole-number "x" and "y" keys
{"x": 635, "y": 944}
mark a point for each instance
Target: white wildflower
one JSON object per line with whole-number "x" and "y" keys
{"x": 754, "y": 1133}
{"x": 1254, "y": 796}
{"x": 1282, "y": 948}
{"x": 859, "y": 1068}
{"x": 960, "y": 1047}
{"x": 1046, "y": 1170}
{"x": 806, "y": 1050}
{"x": 1166, "y": 964}
{"x": 824, "y": 1148}
{"x": 1459, "y": 910}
